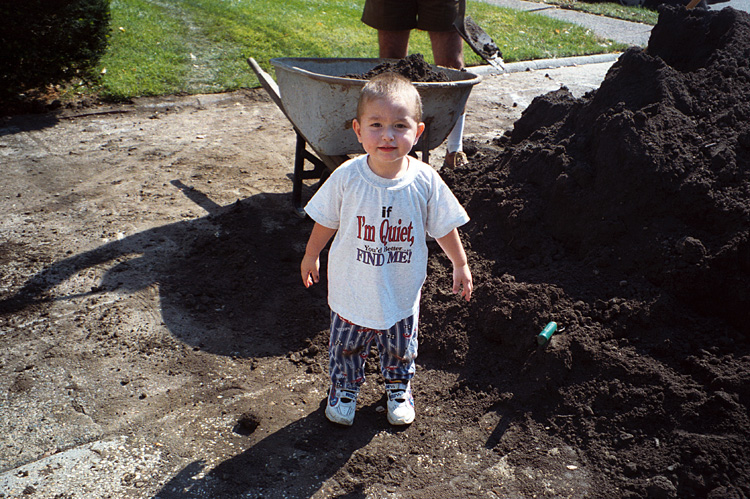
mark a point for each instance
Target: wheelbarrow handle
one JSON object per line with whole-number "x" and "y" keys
{"x": 267, "y": 83}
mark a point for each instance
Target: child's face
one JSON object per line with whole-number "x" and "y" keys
{"x": 387, "y": 131}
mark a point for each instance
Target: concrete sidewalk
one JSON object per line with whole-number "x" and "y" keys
{"x": 614, "y": 29}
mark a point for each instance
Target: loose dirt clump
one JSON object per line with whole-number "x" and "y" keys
{"x": 413, "y": 67}
{"x": 624, "y": 216}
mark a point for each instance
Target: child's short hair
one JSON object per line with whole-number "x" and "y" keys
{"x": 389, "y": 86}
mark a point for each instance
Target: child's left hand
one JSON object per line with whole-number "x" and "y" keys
{"x": 462, "y": 281}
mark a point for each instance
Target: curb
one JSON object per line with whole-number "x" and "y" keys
{"x": 516, "y": 67}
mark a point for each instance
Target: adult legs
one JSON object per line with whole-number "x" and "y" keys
{"x": 447, "y": 48}
{"x": 393, "y": 44}
{"x": 448, "y": 51}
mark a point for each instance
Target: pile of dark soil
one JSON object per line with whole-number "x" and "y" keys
{"x": 412, "y": 66}
{"x": 624, "y": 216}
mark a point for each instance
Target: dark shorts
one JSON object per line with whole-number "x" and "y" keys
{"x": 396, "y": 15}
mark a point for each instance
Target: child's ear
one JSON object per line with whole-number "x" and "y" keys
{"x": 420, "y": 130}
{"x": 357, "y": 129}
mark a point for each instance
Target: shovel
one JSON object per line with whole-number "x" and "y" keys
{"x": 479, "y": 41}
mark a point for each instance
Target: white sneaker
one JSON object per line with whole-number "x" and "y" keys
{"x": 400, "y": 403}
{"x": 341, "y": 405}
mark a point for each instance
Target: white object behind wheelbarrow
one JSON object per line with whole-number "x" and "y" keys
{"x": 321, "y": 104}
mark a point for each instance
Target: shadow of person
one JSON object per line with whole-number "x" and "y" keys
{"x": 12, "y": 125}
{"x": 295, "y": 461}
{"x": 228, "y": 282}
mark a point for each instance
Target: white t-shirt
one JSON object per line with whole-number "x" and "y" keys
{"x": 378, "y": 259}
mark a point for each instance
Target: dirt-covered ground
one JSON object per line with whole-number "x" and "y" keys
{"x": 624, "y": 215}
{"x": 158, "y": 342}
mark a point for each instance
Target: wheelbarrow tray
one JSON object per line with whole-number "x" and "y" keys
{"x": 321, "y": 103}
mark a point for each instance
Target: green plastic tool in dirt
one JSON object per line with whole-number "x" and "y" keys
{"x": 543, "y": 337}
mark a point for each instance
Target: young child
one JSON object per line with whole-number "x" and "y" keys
{"x": 380, "y": 206}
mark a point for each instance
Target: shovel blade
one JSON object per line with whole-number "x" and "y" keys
{"x": 479, "y": 41}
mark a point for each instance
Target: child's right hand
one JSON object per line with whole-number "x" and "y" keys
{"x": 310, "y": 269}
{"x": 310, "y": 266}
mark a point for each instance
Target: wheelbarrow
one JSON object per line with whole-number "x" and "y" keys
{"x": 321, "y": 104}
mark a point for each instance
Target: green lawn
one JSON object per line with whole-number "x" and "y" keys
{"x": 199, "y": 46}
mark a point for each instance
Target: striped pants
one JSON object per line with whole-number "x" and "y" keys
{"x": 350, "y": 345}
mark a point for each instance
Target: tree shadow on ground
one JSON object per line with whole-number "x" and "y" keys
{"x": 11, "y": 125}
{"x": 228, "y": 282}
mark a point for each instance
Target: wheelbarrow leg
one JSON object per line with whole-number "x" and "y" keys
{"x": 299, "y": 168}
{"x": 322, "y": 166}
{"x": 424, "y": 146}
